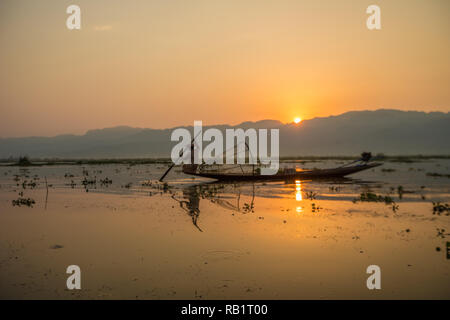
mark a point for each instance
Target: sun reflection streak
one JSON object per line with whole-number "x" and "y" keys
{"x": 298, "y": 195}
{"x": 298, "y": 190}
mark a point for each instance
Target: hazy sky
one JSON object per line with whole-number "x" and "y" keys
{"x": 165, "y": 63}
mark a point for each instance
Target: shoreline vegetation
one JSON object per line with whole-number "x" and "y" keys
{"x": 26, "y": 161}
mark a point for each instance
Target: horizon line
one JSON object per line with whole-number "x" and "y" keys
{"x": 217, "y": 124}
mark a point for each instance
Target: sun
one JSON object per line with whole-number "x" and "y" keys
{"x": 297, "y": 120}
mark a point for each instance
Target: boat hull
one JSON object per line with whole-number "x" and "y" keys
{"x": 307, "y": 174}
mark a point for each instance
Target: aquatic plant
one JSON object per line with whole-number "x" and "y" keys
{"x": 26, "y": 184}
{"x": 146, "y": 184}
{"x": 72, "y": 184}
{"x": 105, "y": 181}
{"x": 441, "y": 233}
{"x": 333, "y": 188}
{"x": 128, "y": 185}
{"x": 394, "y": 207}
{"x": 23, "y": 202}
{"x": 439, "y": 208}
{"x": 248, "y": 207}
{"x": 87, "y": 182}
{"x": 315, "y": 208}
{"x": 311, "y": 195}
{"x": 372, "y": 197}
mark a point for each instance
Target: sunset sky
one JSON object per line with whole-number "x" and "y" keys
{"x": 164, "y": 63}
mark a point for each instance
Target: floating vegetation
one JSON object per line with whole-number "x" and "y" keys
{"x": 23, "y": 202}
{"x": 68, "y": 175}
{"x": 372, "y": 197}
{"x": 72, "y": 184}
{"x": 311, "y": 195}
{"x": 87, "y": 182}
{"x": 146, "y": 184}
{"x": 105, "y": 181}
{"x": 440, "y": 175}
{"x": 247, "y": 208}
{"x": 387, "y": 170}
{"x": 30, "y": 185}
{"x": 315, "y": 208}
{"x": 394, "y": 207}
{"x": 439, "y": 208}
{"x": 441, "y": 233}
{"x": 128, "y": 185}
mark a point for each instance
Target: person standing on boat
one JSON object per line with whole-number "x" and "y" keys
{"x": 192, "y": 167}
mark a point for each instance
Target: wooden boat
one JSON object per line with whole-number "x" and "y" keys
{"x": 221, "y": 174}
{"x": 286, "y": 174}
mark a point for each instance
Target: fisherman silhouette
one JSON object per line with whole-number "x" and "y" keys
{"x": 192, "y": 167}
{"x": 366, "y": 156}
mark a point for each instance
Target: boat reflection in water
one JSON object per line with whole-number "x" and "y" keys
{"x": 213, "y": 192}
{"x": 230, "y": 195}
{"x": 191, "y": 203}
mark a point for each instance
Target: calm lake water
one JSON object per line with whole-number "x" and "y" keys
{"x": 135, "y": 238}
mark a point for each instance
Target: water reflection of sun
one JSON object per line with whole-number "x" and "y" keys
{"x": 298, "y": 194}
{"x": 298, "y": 190}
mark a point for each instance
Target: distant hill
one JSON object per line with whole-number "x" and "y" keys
{"x": 390, "y": 132}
